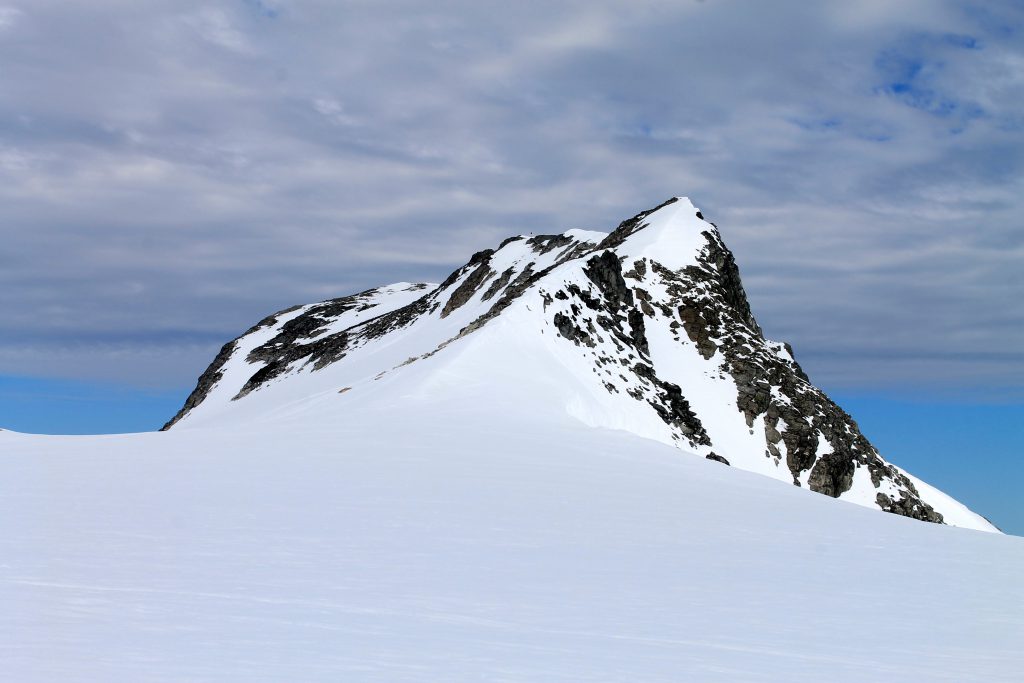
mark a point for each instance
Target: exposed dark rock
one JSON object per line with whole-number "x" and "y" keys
{"x": 471, "y": 284}
{"x": 510, "y": 240}
{"x": 716, "y": 457}
{"x": 375, "y": 328}
{"x": 698, "y": 330}
{"x": 638, "y": 271}
{"x": 524, "y": 281}
{"x": 568, "y": 329}
{"x": 214, "y": 372}
{"x": 584, "y": 295}
{"x": 498, "y": 284}
{"x": 268, "y": 372}
{"x": 296, "y": 329}
{"x": 292, "y": 346}
{"x": 273, "y": 318}
{"x": 832, "y": 475}
{"x": 542, "y": 244}
{"x": 637, "y": 333}
{"x": 718, "y": 262}
{"x": 712, "y": 307}
{"x": 673, "y": 408}
{"x": 605, "y": 271}
{"x": 908, "y": 506}
{"x": 475, "y": 260}
{"x": 207, "y": 381}
{"x": 796, "y": 366}
{"x": 294, "y": 341}
{"x": 481, "y": 257}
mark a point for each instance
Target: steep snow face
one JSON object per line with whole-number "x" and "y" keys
{"x": 672, "y": 235}
{"x": 645, "y": 329}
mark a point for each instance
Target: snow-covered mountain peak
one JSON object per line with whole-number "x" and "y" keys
{"x": 645, "y": 329}
{"x": 674, "y": 234}
{"x": 583, "y": 235}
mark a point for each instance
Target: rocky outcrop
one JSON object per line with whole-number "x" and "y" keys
{"x": 705, "y": 305}
{"x": 605, "y": 271}
{"x": 465, "y": 291}
{"x": 206, "y": 382}
{"x": 608, "y": 306}
{"x": 908, "y": 506}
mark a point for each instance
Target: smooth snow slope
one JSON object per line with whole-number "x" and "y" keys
{"x": 475, "y": 541}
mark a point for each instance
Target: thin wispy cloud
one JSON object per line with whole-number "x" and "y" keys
{"x": 171, "y": 172}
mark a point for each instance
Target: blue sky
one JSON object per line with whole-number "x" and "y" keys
{"x": 170, "y": 172}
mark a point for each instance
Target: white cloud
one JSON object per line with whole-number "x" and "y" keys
{"x": 357, "y": 144}
{"x": 215, "y": 26}
{"x": 8, "y": 17}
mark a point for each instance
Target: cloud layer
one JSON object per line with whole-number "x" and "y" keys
{"x": 171, "y": 172}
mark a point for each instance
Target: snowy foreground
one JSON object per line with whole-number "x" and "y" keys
{"x": 526, "y": 549}
{"x": 420, "y": 483}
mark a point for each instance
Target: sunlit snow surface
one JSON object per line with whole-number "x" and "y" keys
{"x": 442, "y": 507}
{"x": 371, "y": 541}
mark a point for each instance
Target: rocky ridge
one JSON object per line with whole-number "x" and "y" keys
{"x": 655, "y": 309}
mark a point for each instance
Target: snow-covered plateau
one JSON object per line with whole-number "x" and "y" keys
{"x": 577, "y": 459}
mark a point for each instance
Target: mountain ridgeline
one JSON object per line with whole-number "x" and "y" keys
{"x": 645, "y": 329}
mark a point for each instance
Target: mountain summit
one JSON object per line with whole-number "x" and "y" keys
{"x": 645, "y": 329}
